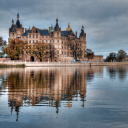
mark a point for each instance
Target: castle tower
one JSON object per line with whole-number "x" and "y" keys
{"x": 82, "y": 38}
{"x": 57, "y": 38}
{"x": 16, "y": 30}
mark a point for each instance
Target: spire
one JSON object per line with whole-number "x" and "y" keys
{"x": 69, "y": 24}
{"x": 12, "y": 22}
{"x": 18, "y": 16}
{"x": 82, "y": 31}
{"x": 57, "y": 26}
{"x": 51, "y": 28}
{"x": 57, "y": 21}
{"x": 18, "y": 22}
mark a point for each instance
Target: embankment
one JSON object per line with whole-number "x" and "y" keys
{"x": 57, "y": 64}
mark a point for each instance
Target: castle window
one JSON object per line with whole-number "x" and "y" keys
{"x": 62, "y": 42}
{"x": 36, "y": 40}
{"x": 42, "y": 41}
{"x": 33, "y": 41}
{"x": 46, "y": 41}
{"x": 36, "y": 35}
{"x": 30, "y": 36}
{"x": 33, "y": 35}
{"x": 30, "y": 41}
{"x": 58, "y": 41}
{"x": 62, "y": 47}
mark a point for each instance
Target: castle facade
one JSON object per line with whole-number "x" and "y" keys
{"x": 59, "y": 48}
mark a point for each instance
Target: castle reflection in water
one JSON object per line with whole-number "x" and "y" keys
{"x": 53, "y": 87}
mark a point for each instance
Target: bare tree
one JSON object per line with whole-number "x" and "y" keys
{"x": 3, "y": 43}
{"x": 75, "y": 49}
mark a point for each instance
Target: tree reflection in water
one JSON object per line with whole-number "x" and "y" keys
{"x": 54, "y": 87}
{"x": 120, "y": 71}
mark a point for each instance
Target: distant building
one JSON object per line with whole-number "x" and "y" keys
{"x": 57, "y": 40}
{"x": 125, "y": 59}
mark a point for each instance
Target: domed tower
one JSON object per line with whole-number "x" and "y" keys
{"x": 68, "y": 28}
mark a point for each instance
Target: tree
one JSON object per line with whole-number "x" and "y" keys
{"x": 112, "y": 56}
{"x": 51, "y": 51}
{"x": 121, "y": 55}
{"x": 89, "y": 54}
{"x": 38, "y": 50}
{"x": 76, "y": 50}
{"x": 15, "y": 48}
{"x": 2, "y": 45}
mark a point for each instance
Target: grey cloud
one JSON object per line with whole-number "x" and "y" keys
{"x": 105, "y": 21}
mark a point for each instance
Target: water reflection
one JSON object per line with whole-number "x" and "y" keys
{"x": 51, "y": 87}
{"x": 64, "y": 97}
{"x": 119, "y": 71}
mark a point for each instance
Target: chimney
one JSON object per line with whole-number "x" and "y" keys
{"x": 76, "y": 33}
{"x": 49, "y": 29}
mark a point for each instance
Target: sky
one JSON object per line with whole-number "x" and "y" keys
{"x": 105, "y": 21}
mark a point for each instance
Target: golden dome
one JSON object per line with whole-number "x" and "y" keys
{"x": 69, "y": 28}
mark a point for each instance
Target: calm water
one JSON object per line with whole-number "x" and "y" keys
{"x": 65, "y": 97}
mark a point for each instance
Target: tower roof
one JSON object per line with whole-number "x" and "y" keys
{"x": 18, "y": 22}
{"x": 68, "y": 28}
{"x": 56, "y": 26}
{"x": 82, "y": 31}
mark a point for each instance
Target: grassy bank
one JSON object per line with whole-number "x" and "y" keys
{"x": 7, "y": 65}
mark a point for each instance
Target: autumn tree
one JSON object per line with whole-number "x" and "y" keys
{"x": 38, "y": 50}
{"x": 15, "y": 48}
{"x": 2, "y": 45}
{"x": 121, "y": 55}
{"x": 89, "y": 54}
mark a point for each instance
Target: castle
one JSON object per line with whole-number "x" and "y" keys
{"x": 58, "y": 42}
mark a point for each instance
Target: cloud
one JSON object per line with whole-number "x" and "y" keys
{"x": 105, "y": 21}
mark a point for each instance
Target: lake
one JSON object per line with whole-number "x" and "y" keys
{"x": 64, "y": 97}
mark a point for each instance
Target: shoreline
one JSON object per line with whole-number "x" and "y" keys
{"x": 58, "y": 64}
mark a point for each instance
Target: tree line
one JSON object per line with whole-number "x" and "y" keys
{"x": 113, "y": 57}
{"x": 17, "y": 48}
